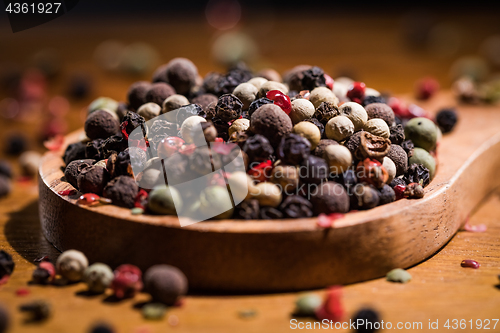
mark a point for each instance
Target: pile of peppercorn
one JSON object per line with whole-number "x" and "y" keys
{"x": 310, "y": 145}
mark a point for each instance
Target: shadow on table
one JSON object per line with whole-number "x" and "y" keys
{"x": 24, "y": 234}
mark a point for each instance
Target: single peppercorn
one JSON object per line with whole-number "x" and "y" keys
{"x": 322, "y": 94}
{"x": 356, "y": 113}
{"x": 181, "y": 73}
{"x": 313, "y": 170}
{"x": 71, "y": 264}
{"x": 165, "y": 283}
{"x": 295, "y": 206}
{"x": 257, "y": 104}
{"x": 270, "y": 86}
{"x": 323, "y": 143}
{"x": 159, "y": 92}
{"x": 294, "y": 76}
{"x": 386, "y": 195}
{"x": 228, "y": 107}
{"x": 127, "y": 281}
{"x": 204, "y": 100}
{"x": 15, "y": 144}
{"x": 373, "y": 99}
{"x": 165, "y": 200}
{"x": 338, "y": 157}
{"x": 130, "y": 122}
{"x": 398, "y": 181}
{"x": 270, "y": 121}
{"x": 93, "y": 150}
{"x": 154, "y": 311}
{"x": 247, "y": 210}
{"x": 414, "y": 191}
{"x": 446, "y": 119}
{"x": 326, "y": 111}
{"x": 369, "y": 319}
{"x": 417, "y": 173}
{"x": 149, "y": 111}
{"x": 29, "y": 161}
{"x": 377, "y": 127}
{"x": 93, "y": 179}
{"x": 329, "y": 198}
{"x": 309, "y": 131}
{"x": 215, "y": 203}
{"x": 286, "y": 176}
{"x": 382, "y": 111}
{"x": 136, "y": 94}
{"x": 408, "y": 147}
{"x": 74, "y": 151}
{"x": 160, "y": 130}
{"x": 293, "y": 149}
{"x": 235, "y": 76}
{"x": 398, "y": 155}
{"x": 312, "y": 78}
{"x": 421, "y": 156}
{"x": 44, "y": 273}
{"x": 398, "y": 275}
{"x": 119, "y": 164}
{"x": 397, "y": 135}
{"x": 339, "y": 128}
{"x": 122, "y": 191}
{"x": 372, "y": 146}
{"x": 6, "y": 264}
{"x": 306, "y": 305}
{"x": 246, "y": 93}
{"x": 302, "y": 109}
{"x": 37, "y": 310}
{"x": 364, "y": 197}
{"x": 239, "y": 125}
{"x": 102, "y": 328}
{"x": 98, "y": 277}
{"x": 422, "y": 132}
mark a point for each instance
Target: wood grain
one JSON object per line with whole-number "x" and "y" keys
{"x": 249, "y": 256}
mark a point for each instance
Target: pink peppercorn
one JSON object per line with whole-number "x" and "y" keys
{"x": 426, "y": 88}
{"x": 400, "y": 191}
{"x": 328, "y": 81}
{"x": 88, "y": 199}
{"x": 127, "y": 281}
{"x": 470, "y": 263}
{"x": 332, "y": 308}
{"x": 281, "y": 100}
{"x": 356, "y": 92}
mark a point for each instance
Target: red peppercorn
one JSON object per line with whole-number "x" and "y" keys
{"x": 372, "y": 172}
{"x": 356, "y": 92}
{"x": 399, "y": 108}
{"x": 326, "y": 221}
{"x": 470, "y": 263}
{"x": 261, "y": 172}
{"x": 328, "y": 81}
{"x": 169, "y": 146}
{"x": 400, "y": 191}
{"x": 332, "y": 308}
{"x": 281, "y": 100}
{"x": 426, "y": 88}
{"x": 141, "y": 199}
{"x": 219, "y": 139}
{"x": 66, "y": 192}
{"x": 127, "y": 281}
{"x": 88, "y": 199}
{"x": 49, "y": 267}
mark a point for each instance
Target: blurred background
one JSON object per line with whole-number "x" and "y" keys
{"x": 50, "y": 73}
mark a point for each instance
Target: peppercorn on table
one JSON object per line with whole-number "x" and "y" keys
{"x": 440, "y": 290}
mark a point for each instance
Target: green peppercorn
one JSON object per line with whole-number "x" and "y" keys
{"x": 216, "y": 203}
{"x": 164, "y": 200}
{"x": 422, "y": 132}
{"x": 307, "y": 304}
{"x": 421, "y": 156}
{"x": 398, "y": 275}
{"x": 98, "y": 277}
{"x": 154, "y": 311}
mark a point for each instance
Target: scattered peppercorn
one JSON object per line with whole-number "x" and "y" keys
{"x": 71, "y": 265}
{"x": 306, "y": 305}
{"x": 421, "y": 156}
{"x": 6, "y": 264}
{"x": 127, "y": 281}
{"x": 15, "y": 144}
{"x": 369, "y": 319}
{"x": 312, "y": 78}
{"x": 322, "y": 94}
{"x": 102, "y": 328}
{"x": 386, "y": 195}
{"x": 205, "y": 100}
{"x": 339, "y": 128}
{"x": 365, "y": 197}
{"x": 164, "y": 200}
{"x": 332, "y": 308}
{"x": 414, "y": 190}
{"x": 382, "y": 111}
{"x": 326, "y": 111}
{"x": 372, "y": 146}
{"x": 398, "y": 275}
{"x": 408, "y": 147}
{"x": 136, "y": 94}
{"x": 373, "y": 99}
{"x": 44, "y": 273}
{"x": 37, "y": 310}
{"x": 154, "y": 311}
{"x": 470, "y": 263}
{"x": 98, "y": 277}
{"x": 257, "y": 104}
{"x": 446, "y": 119}
{"x": 165, "y": 283}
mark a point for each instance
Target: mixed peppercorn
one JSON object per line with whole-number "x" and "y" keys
{"x": 309, "y": 145}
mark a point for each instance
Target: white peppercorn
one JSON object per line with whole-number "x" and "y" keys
{"x": 173, "y": 103}
{"x": 98, "y": 277}
{"x": 246, "y": 93}
{"x": 322, "y": 94}
{"x": 188, "y": 125}
{"x": 239, "y": 125}
{"x": 356, "y": 113}
{"x": 242, "y": 186}
{"x": 286, "y": 176}
{"x": 149, "y": 111}
{"x": 71, "y": 265}
{"x": 309, "y": 131}
{"x": 339, "y": 128}
{"x": 302, "y": 109}
{"x": 338, "y": 157}
{"x": 340, "y": 90}
{"x": 268, "y": 194}
{"x": 272, "y": 85}
{"x": 371, "y": 92}
{"x": 377, "y": 127}
{"x": 389, "y": 165}
{"x": 258, "y": 82}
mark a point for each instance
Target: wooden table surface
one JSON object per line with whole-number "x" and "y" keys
{"x": 440, "y": 288}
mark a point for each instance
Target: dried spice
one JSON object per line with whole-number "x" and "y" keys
{"x": 37, "y": 310}
{"x": 160, "y": 130}
{"x": 222, "y": 128}
{"x": 339, "y": 128}
{"x": 71, "y": 264}
{"x": 422, "y": 132}
{"x": 164, "y": 200}
{"x": 313, "y": 170}
{"x": 293, "y": 149}
{"x": 398, "y": 275}
{"x": 371, "y": 172}
{"x": 130, "y": 122}
{"x": 247, "y": 210}
{"x": 364, "y": 197}
{"x": 257, "y": 104}
{"x": 93, "y": 179}
{"x": 213, "y": 200}
{"x": 6, "y": 264}
{"x": 154, "y": 311}
{"x": 300, "y": 109}
{"x": 228, "y": 107}
{"x": 246, "y": 93}
{"x": 468, "y": 263}
{"x": 74, "y": 168}
{"x": 159, "y": 92}
{"x": 373, "y": 99}
{"x": 295, "y": 206}
{"x": 356, "y": 92}
{"x": 228, "y": 82}
{"x": 397, "y": 134}
{"x": 165, "y": 283}
{"x": 386, "y": 195}
{"x": 323, "y": 143}
{"x": 101, "y": 125}
{"x": 332, "y": 308}
{"x": 377, "y": 127}
{"x": 408, "y": 147}
{"x": 382, "y": 111}
{"x": 372, "y": 146}
{"x": 326, "y": 111}
{"x": 398, "y": 155}
{"x": 446, "y": 119}
{"x": 74, "y": 151}
{"x": 203, "y": 162}
{"x": 181, "y": 73}
{"x": 369, "y": 319}
{"x": 127, "y": 281}
{"x": 240, "y": 138}
{"x": 270, "y": 121}
{"x": 270, "y": 213}
{"x": 417, "y": 173}
{"x": 98, "y": 277}
{"x": 329, "y": 198}
{"x": 306, "y": 305}
{"x": 115, "y": 143}
{"x": 44, "y": 273}
{"x": 312, "y": 78}
{"x": 239, "y": 125}
{"x": 187, "y": 111}
{"x": 319, "y": 125}
{"x": 421, "y": 156}
{"x": 15, "y": 144}
{"x": 205, "y": 100}
{"x": 136, "y": 94}
{"x": 414, "y": 191}
{"x": 122, "y": 191}
{"x": 258, "y": 148}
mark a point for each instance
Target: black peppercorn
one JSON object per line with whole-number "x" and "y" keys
{"x": 329, "y": 198}
{"x": 112, "y": 144}
{"x": 101, "y": 124}
{"x": 222, "y": 128}
{"x": 93, "y": 179}
{"x": 293, "y": 149}
{"x": 137, "y": 92}
{"x": 295, "y": 206}
{"x": 93, "y": 150}
{"x": 408, "y": 147}
{"x": 247, "y": 210}
{"x": 397, "y": 134}
{"x": 5, "y": 169}
{"x": 5, "y": 186}
{"x": 312, "y": 78}
{"x": 323, "y": 143}
{"x": 397, "y": 182}
{"x": 369, "y": 318}
{"x": 4, "y": 320}
{"x": 326, "y": 111}
{"x": 122, "y": 109}
{"x": 181, "y": 73}
{"x": 320, "y": 126}
{"x": 119, "y": 164}
{"x": 294, "y": 76}
{"x": 165, "y": 283}
{"x": 160, "y": 130}
{"x": 417, "y": 173}
{"x": 211, "y": 83}
{"x": 38, "y": 310}
{"x": 159, "y": 92}
{"x": 203, "y": 162}
{"x": 122, "y": 191}
{"x": 446, "y": 120}
{"x": 6, "y": 264}
{"x": 353, "y": 142}
{"x": 178, "y": 170}
{"x": 131, "y": 121}
{"x": 398, "y": 155}
{"x": 239, "y": 137}
{"x": 74, "y": 168}
{"x": 228, "y": 82}
{"x": 373, "y": 99}
{"x": 258, "y": 148}
{"x": 387, "y": 195}
{"x": 257, "y": 104}
{"x": 102, "y": 328}
{"x": 187, "y": 111}
{"x": 313, "y": 170}
{"x": 74, "y": 151}
{"x": 205, "y": 100}
{"x": 364, "y": 197}
{"x": 15, "y": 144}
{"x": 270, "y": 213}
{"x": 228, "y": 107}
{"x": 348, "y": 180}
